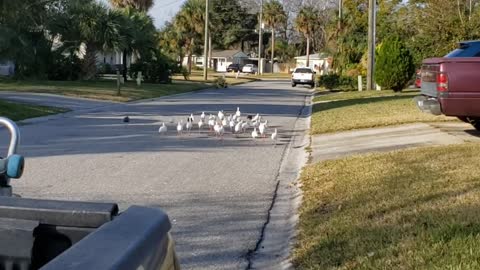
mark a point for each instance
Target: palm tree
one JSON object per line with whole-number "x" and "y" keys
{"x": 274, "y": 16}
{"x": 172, "y": 42}
{"x": 140, "y": 5}
{"x": 139, "y": 34}
{"x": 190, "y": 23}
{"x": 305, "y": 23}
{"x": 98, "y": 28}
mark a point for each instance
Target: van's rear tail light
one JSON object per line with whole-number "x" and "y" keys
{"x": 442, "y": 82}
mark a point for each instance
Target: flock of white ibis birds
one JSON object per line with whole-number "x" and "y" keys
{"x": 220, "y": 124}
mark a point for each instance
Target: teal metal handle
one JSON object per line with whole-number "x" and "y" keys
{"x": 14, "y": 135}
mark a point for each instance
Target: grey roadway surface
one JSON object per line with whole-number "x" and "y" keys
{"x": 216, "y": 193}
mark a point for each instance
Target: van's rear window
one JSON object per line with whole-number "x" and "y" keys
{"x": 303, "y": 70}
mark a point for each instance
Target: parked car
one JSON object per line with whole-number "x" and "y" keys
{"x": 449, "y": 85}
{"x": 303, "y": 75}
{"x": 250, "y": 68}
{"x": 234, "y": 68}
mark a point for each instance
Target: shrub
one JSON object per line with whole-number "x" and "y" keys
{"x": 329, "y": 81}
{"x": 64, "y": 68}
{"x": 394, "y": 64}
{"x": 153, "y": 71}
{"x": 335, "y": 81}
{"x": 105, "y": 68}
{"x": 220, "y": 82}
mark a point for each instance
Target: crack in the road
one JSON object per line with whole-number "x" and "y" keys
{"x": 251, "y": 252}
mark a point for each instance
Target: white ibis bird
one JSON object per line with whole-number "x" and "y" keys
{"x": 211, "y": 123}
{"x": 180, "y": 127}
{"x": 231, "y": 125}
{"x": 221, "y": 115}
{"x": 254, "y": 134}
{"x": 274, "y": 137}
{"x": 202, "y": 116}
{"x": 191, "y": 118}
{"x": 238, "y": 127}
{"x": 200, "y": 124}
{"x": 189, "y": 125}
{"x": 238, "y": 113}
{"x": 262, "y": 129}
{"x": 216, "y": 128}
{"x": 163, "y": 129}
{"x": 244, "y": 126}
{"x": 256, "y": 118}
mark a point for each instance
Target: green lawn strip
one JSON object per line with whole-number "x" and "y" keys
{"x": 102, "y": 89}
{"x": 356, "y": 110}
{"x": 411, "y": 209}
{"x": 345, "y": 95}
{"x": 17, "y": 112}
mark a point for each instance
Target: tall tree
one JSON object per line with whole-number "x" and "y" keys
{"x": 305, "y": 23}
{"x": 274, "y": 16}
{"x": 99, "y": 29}
{"x": 190, "y": 23}
{"x": 140, "y": 5}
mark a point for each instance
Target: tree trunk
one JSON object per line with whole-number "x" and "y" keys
{"x": 124, "y": 60}
{"x": 273, "y": 46}
{"x": 308, "y": 51}
{"x": 190, "y": 52}
{"x": 89, "y": 65}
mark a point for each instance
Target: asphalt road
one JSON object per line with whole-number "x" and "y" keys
{"x": 217, "y": 193}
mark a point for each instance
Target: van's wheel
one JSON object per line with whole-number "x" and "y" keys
{"x": 294, "y": 84}
{"x": 463, "y": 119}
{"x": 475, "y": 123}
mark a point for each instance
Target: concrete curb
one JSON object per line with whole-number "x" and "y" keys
{"x": 280, "y": 233}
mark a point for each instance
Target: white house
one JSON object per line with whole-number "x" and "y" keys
{"x": 319, "y": 61}
{"x": 220, "y": 60}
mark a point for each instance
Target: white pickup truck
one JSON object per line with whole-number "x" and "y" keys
{"x": 304, "y": 75}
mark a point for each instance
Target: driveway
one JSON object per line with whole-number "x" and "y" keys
{"x": 218, "y": 193}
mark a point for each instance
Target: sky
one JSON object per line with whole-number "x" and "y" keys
{"x": 163, "y": 10}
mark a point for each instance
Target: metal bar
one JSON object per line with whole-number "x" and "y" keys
{"x": 371, "y": 45}
{"x": 260, "y": 40}
{"x": 205, "y": 49}
{"x": 14, "y": 135}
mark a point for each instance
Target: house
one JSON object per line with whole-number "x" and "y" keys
{"x": 321, "y": 62}
{"x": 220, "y": 60}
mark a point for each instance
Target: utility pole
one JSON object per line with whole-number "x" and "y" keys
{"x": 340, "y": 13}
{"x": 371, "y": 44}
{"x": 260, "y": 40}
{"x": 205, "y": 47}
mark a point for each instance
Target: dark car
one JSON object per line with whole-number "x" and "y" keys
{"x": 234, "y": 68}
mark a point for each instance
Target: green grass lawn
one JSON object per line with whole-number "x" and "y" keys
{"x": 343, "y": 111}
{"x": 104, "y": 89}
{"x": 18, "y": 112}
{"x": 411, "y": 209}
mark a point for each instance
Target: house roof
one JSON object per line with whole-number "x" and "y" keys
{"x": 229, "y": 54}
{"x": 316, "y": 56}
